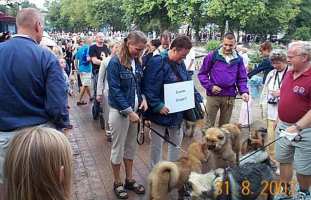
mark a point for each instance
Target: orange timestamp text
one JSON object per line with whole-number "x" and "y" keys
{"x": 268, "y": 187}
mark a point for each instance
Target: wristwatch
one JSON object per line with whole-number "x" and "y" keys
{"x": 298, "y": 127}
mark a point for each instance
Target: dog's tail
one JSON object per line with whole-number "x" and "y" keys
{"x": 162, "y": 178}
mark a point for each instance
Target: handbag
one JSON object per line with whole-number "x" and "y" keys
{"x": 193, "y": 114}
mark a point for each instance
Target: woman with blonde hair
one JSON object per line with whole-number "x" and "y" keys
{"x": 102, "y": 86}
{"x": 124, "y": 75}
{"x": 38, "y": 166}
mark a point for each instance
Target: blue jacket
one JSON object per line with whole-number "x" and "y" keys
{"x": 123, "y": 85}
{"x": 32, "y": 86}
{"x": 157, "y": 73}
{"x": 265, "y": 66}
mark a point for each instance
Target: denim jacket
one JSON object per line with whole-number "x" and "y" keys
{"x": 123, "y": 86}
{"x": 158, "y": 72}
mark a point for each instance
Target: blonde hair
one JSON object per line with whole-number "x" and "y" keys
{"x": 58, "y": 52}
{"x": 133, "y": 37}
{"x": 34, "y": 163}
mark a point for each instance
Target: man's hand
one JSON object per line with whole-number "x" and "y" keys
{"x": 99, "y": 98}
{"x": 134, "y": 118}
{"x": 216, "y": 89}
{"x": 245, "y": 97}
{"x": 164, "y": 111}
{"x": 143, "y": 106}
{"x": 292, "y": 129}
{"x": 276, "y": 93}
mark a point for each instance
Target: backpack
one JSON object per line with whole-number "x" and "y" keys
{"x": 84, "y": 56}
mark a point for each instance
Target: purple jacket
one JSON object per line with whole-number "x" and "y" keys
{"x": 230, "y": 77}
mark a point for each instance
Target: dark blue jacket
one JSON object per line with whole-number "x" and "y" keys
{"x": 157, "y": 73}
{"x": 32, "y": 86}
{"x": 122, "y": 86}
{"x": 265, "y": 66}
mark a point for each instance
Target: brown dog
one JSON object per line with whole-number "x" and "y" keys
{"x": 224, "y": 146}
{"x": 166, "y": 175}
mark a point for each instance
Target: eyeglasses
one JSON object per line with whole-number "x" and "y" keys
{"x": 291, "y": 57}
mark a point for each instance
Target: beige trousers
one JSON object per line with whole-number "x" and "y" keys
{"x": 215, "y": 103}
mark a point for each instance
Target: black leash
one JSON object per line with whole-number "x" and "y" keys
{"x": 297, "y": 138}
{"x": 165, "y": 138}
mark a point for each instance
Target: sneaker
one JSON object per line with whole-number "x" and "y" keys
{"x": 302, "y": 196}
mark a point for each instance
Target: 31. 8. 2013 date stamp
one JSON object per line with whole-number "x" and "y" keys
{"x": 267, "y": 187}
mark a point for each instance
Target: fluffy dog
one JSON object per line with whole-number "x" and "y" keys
{"x": 217, "y": 184}
{"x": 166, "y": 175}
{"x": 224, "y": 146}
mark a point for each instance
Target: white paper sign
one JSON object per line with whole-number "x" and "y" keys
{"x": 179, "y": 96}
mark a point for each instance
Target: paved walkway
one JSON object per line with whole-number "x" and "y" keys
{"x": 93, "y": 179}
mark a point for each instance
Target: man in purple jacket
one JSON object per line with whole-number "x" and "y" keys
{"x": 222, "y": 74}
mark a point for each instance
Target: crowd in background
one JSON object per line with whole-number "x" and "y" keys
{"x": 123, "y": 76}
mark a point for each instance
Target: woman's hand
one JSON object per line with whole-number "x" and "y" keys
{"x": 164, "y": 111}
{"x": 133, "y": 117}
{"x": 143, "y": 106}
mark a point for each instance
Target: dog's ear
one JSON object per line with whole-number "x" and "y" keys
{"x": 256, "y": 138}
{"x": 235, "y": 135}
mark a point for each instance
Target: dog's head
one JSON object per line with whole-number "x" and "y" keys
{"x": 202, "y": 186}
{"x": 253, "y": 142}
{"x": 199, "y": 151}
{"x": 215, "y": 138}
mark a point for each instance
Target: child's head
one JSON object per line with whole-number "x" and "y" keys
{"x": 38, "y": 165}
{"x": 62, "y": 63}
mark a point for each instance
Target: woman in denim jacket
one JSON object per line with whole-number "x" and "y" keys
{"x": 124, "y": 75}
{"x": 160, "y": 70}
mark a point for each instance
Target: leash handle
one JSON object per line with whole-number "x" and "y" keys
{"x": 140, "y": 137}
{"x": 248, "y": 119}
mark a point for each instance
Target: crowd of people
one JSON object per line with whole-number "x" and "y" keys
{"x": 124, "y": 79}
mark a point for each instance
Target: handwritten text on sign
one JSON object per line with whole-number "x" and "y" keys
{"x": 179, "y": 96}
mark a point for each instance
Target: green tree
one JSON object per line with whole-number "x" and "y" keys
{"x": 155, "y": 14}
{"x": 299, "y": 27}
{"x": 274, "y": 19}
{"x": 106, "y": 12}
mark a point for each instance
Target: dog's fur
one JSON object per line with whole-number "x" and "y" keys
{"x": 166, "y": 175}
{"x": 224, "y": 146}
{"x": 205, "y": 186}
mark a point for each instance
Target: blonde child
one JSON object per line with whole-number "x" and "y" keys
{"x": 38, "y": 166}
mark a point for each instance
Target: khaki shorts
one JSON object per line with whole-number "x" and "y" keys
{"x": 5, "y": 139}
{"x": 298, "y": 153}
{"x": 86, "y": 79}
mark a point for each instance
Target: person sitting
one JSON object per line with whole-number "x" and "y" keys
{"x": 38, "y": 165}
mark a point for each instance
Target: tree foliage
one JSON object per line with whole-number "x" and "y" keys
{"x": 260, "y": 17}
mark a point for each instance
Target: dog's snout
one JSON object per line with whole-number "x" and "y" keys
{"x": 205, "y": 194}
{"x": 211, "y": 147}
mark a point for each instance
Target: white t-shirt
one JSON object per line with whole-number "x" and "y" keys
{"x": 190, "y": 57}
{"x": 272, "y": 84}
{"x": 136, "y": 97}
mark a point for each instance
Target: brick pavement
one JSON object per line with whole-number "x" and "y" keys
{"x": 93, "y": 178}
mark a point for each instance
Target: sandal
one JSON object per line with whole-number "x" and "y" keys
{"x": 119, "y": 191}
{"x": 135, "y": 187}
